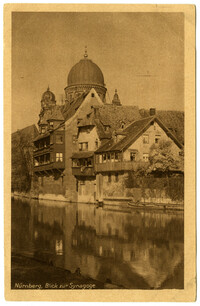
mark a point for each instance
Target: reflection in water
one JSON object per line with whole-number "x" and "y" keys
{"x": 133, "y": 249}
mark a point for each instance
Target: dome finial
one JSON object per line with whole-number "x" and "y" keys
{"x": 85, "y": 55}
{"x": 48, "y": 89}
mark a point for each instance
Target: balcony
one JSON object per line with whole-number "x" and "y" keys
{"x": 119, "y": 166}
{"x": 43, "y": 150}
{"x": 83, "y": 171}
{"x": 49, "y": 167}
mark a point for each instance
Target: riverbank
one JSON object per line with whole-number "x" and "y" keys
{"x": 29, "y": 273}
{"x": 109, "y": 201}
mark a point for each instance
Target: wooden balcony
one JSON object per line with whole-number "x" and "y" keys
{"x": 119, "y": 166}
{"x": 83, "y": 171}
{"x": 42, "y": 151}
{"x": 49, "y": 167}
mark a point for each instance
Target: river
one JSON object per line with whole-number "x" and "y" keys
{"x": 135, "y": 249}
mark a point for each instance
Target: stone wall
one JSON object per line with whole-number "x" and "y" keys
{"x": 116, "y": 189}
{"x": 51, "y": 185}
{"x": 87, "y": 190}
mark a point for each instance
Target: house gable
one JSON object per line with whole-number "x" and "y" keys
{"x": 133, "y": 132}
{"x": 141, "y": 146}
{"x": 92, "y": 99}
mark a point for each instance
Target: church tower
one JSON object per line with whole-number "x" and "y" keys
{"x": 48, "y": 103}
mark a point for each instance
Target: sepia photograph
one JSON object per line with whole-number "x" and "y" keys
{"x": 99, "y": 154}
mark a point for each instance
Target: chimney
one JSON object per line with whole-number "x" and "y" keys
{"x": 96, "y": 111}
{"x": 152, "y": 111}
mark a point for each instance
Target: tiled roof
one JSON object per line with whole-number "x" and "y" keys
{"x": 174, "y": 120}
{"x": 132, "y": 132}
{"x": 83, "y": 154}
{"x": 56, "y": 115}
{"x": 93, "y": 119}
{"x": 101, "y": 130}
{"x": 29, "y": 131}
{"x": 41, "y": 136}
{"x": 68, "y": 110}
{"x": 115, "y": 115}
{"x": 112, "y": 116}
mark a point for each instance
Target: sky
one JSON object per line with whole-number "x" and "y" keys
{"x": 140, "y": 54}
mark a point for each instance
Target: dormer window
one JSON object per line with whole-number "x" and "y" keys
{"x": 122, "y": 125}
{"x": 43, "y": 130}
{"x": 145, "y": 138}
{"x": 106, "y": 128}
{"x": 51, "y": 124}
{"x": 157, "y": 138}
{"x": 92, "y": 95}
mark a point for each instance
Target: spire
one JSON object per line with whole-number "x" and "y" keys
{"x": 116, "y": 100}
{"x": 48, "y": 89}
{"x": 85, "y": 55}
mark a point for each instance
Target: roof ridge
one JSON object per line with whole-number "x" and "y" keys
{"x": 152, "y": 117}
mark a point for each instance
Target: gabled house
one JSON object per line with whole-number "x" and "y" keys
{"x": 134, "y": 142}
{"x": 92, "y": 132}
{"x": 129, "y": 148}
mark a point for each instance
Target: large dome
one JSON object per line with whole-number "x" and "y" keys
{"x": 85, "y": 72}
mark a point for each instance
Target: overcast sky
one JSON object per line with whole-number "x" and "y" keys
{"x": 140, "y": 54}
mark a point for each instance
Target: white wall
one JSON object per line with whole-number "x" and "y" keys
{"x": 90, "y": 137}
{"x": 152, "y": 131}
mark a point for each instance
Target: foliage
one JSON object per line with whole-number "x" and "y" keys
{"x": 22, "y": 161}
{"x": 163, "y": 159}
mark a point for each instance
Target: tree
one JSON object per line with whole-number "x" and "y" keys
{"x": 163, "y": 159}
{"x": 22, "y": 159}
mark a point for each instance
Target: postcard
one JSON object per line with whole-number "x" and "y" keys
{"x": 99, "y": 104}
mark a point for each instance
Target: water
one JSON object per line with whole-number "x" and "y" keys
{"x": 131, "y": 248}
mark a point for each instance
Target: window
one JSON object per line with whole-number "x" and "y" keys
{"x": 116, "y": 177}
{"x": 83, "y": 146}
{"x": 109, "y": 178}
{"x": 92, "y": 95}
{"x": 43, "y": 130}
{"x": 104, "y": 158}
{"x": 59, "y": 157}
{"x": 116, "y": 157}
{"x": 132, "y": 156}
{"x": 89, "y": 162}
{"x": 145, "y": 157}
{"x": 51, "y": 124}
{"x": 122, "y": 125}
{"x": 74, "y": 162}
{"x": 96, "y": 143}
{"x": 108, "y": 156}
{"x": 145, "y": 138}
{"x": 157, "y": 138}
{"x": 59, "y": 139}
{"x": 100, "y": 158}
{"x": 112, "y": 157}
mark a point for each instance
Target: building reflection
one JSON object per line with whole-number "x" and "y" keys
{"x": 133, "y": 249}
